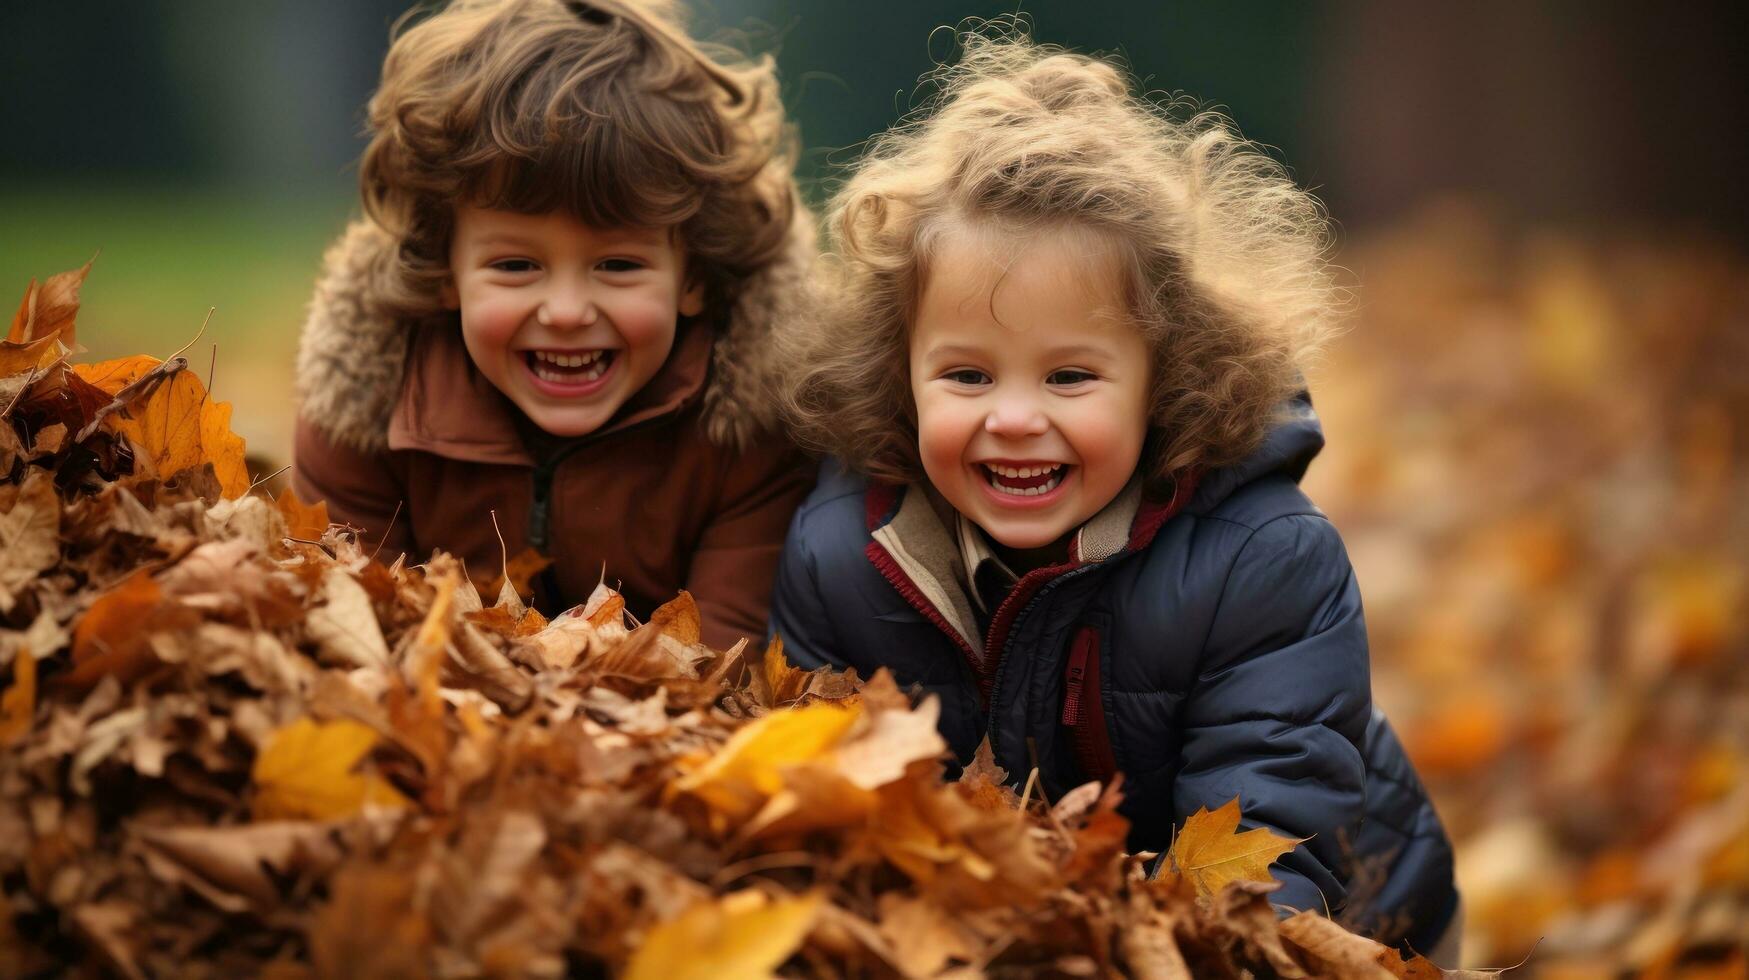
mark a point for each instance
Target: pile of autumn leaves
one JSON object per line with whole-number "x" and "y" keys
{"x": 236, "y": 744}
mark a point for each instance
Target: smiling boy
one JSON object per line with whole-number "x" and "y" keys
{"x": 552, "y": 324}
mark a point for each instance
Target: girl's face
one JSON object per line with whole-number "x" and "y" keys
{"x": 568, "y": 321}
{"x": 1031, "y": 384}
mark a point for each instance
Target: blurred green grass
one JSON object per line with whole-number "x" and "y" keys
{"x": 165, "y": 254}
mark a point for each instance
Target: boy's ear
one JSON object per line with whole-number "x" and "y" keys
{"x": 451, "y": 297}
{"x": 692, "y": 300}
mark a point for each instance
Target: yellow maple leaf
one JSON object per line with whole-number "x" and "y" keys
{"x": 176, "y": 425}
{"x": 749, "y": 768}
{"x": 744, "y": 936}
{"x": 18, "y": 704}
{"x": 1211, "y": 855}
{"x": 305, "y": 772}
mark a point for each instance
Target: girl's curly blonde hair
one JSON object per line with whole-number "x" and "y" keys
{"x": 604, "y": 109}
{"x": 1224, "y": 258}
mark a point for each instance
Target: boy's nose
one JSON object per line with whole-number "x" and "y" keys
{"x": 566, "y": 308}
{"x": 1015, "y": 418}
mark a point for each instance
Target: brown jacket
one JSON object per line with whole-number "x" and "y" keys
{"x": 686, "y": 487}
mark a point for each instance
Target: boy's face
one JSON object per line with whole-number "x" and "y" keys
{"x": 1030, "y": 383}
{"x": 568, "y": 321}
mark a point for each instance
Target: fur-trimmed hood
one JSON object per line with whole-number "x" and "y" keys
{"x": 352, "y": 357}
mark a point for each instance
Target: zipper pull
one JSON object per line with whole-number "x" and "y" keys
{"x": 1075, "y": 679}
{"x": 539, "y": 511}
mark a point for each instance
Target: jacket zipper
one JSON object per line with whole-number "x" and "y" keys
{"x": 997, "y": 646}
{"x": 540, "y": 509}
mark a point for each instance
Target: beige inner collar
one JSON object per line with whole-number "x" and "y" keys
{"x": 941, "y": 564}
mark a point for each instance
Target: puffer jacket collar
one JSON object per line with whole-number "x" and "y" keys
{"x": 370, "y": 381}
{"x": 914, "y": 551}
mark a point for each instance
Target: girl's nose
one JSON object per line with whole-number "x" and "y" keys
{"x": 1015, "y": 418}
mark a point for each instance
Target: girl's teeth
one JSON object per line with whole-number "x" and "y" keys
{"x": 568, "y": 360}
{"x": 997, "y": 473}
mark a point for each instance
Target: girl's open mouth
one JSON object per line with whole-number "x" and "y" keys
{"x": 1034, "y": 480}
{"x": 569, "y": 372}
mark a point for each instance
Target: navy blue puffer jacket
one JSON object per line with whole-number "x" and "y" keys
{"x": 1208, "y": 648}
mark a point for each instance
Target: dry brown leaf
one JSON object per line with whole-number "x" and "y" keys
{"x": 1339, "y": 951}
{"x": 922, "y": 937}
{"x": 29, "y": 536}
{"x": 16, "y": 359}
{"x": 230, "y": 866}
{"x": 487, "y": 870}
{"x": 1209, "y": 853}
{"x": 345, "y": 626}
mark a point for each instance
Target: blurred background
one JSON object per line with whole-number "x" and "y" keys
{"x": 1537, "y": 422}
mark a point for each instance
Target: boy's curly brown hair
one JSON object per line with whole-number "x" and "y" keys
{"x": 603, "y": 109}
{"x": 1224, "y": 258}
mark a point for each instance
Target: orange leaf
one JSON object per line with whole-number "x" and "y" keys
{"x": 305, "y": 772}
{"x": 985, "y": 784}
{"x": 307, "y": 521}
{"x": 48, "y": 310}
{"x": 111, "y": 637}
{"x": 677, "y": 618}
{"x": 177, "y": 426}
{"x": 783, "y": 683}
{"x": 1211, "y": 855}
{"x": 112, "y": 376}
{"x": 18, "y": 704}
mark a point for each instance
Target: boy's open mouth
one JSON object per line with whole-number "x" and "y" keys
{"x": 569, "y": 367}
{"x": 1025, "y": 481}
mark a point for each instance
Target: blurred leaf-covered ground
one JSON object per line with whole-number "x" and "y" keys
{"x": 1539, "y": 459}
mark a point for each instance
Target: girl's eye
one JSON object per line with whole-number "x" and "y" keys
{"x": 967, "y": 376}
{"x": 514, "y": 266}
{"x": 1069, "y": 377}
{"x": 621, "y": 265}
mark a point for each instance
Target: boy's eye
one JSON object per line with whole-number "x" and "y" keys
{"x": 514, "y": 265}
{"x": 1069, "y": 376}
{"x": 621, "y": 265}
{"x": 966, "y": 376}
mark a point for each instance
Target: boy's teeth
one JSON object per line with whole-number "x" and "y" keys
{"x": 568, "y": 368}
